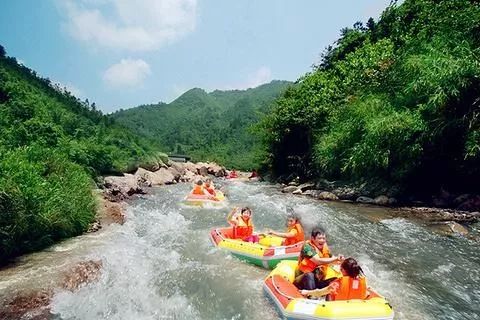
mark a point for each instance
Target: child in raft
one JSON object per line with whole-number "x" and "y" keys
{"x": 241, "y": 221}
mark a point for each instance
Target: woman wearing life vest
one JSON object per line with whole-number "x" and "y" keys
{"x": 241, "y": 221}
{"x": 208, "y": 185}
{"x": 294, "y": 232}
{"x": 352, "y": 285}
{"x": 314, "y": 253}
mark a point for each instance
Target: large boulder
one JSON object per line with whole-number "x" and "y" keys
{"x": 366, "y": 200}
{"x": 289, "y": 189}
{"x": 325, "y": 195}
{"x": 312, "y": 193}
{"x": 381, "y": 200}
{"x": 178, "y": 167}
{"x": 203, "y": 170}
{"x": 306, "y": 186}
{"x": 119, "y": 188}
{"x": 190, "y": 166}
{"x": 163, "y": 176}
{"x": 346, "y": 193}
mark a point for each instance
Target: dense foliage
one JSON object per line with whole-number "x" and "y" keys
{"x": 52, "y": 146}
{"x": 207, "y": 126}
{"x": 396, "y": 100}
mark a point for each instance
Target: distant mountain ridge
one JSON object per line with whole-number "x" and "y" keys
{"x": 207, "y": 126}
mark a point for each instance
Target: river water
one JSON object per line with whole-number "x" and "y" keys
{"x": 161, "y": 264}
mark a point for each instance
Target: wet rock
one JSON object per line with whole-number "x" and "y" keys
{"x": 312, "y": 193}
{"x": 293, "y": 184}
{"x": 325, "y": 195}
{"x": 381, "y": 200}
{"x": 297, "y": 191}
{"x": 452, "y": 228}
{"x": 33, "y": 306}
{"x": 289, "y": 189}
{"x": 203, "y": 171}
{"x": 119, "y": 188}
{"x": 306, "y": 186}
{"x": 111, "y": 212}
{"x": 365, "y": 200}
{"x": 81, "y": 274}
{"x": 94, "y": 227}
{"x": 346, "y": 193}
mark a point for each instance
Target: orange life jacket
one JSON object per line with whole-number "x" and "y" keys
{"x": 306, "y": 264}
{"x": 350, "y": 288}
{"x": 243, "y": 228}
{"x": 300, "y": 236}
{"x": 198, "y": 189}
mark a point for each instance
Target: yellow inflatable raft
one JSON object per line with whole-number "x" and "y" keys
{"x": 203, "y": 200}
{"x": 292, "y": 305}
{"x": 267, "y": 253}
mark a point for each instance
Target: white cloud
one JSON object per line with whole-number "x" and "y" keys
{"x": 260, "y": 76}
{"x": 126, "y": 24}
{"x": 127, "y": 73}
{"x": 61, "y": 86}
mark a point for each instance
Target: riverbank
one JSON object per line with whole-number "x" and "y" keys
{"x": 451, "y": 220}
{"x": 112, "y": 200}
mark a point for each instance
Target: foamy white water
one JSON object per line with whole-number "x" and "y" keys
{"x": 161, "y": 264}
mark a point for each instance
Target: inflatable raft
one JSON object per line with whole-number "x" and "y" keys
{"x": 292, "y": 305}
{"x": 267, "y": 253}
{"x": 202, "y": 200}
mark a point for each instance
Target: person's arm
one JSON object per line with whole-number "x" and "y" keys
{"x": 331, "y": 288}
{"x": 322, "y": 261}
{"x": 292, "y": 233}
{"x": 231, "y": 217}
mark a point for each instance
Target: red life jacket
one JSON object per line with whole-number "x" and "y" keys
{"x": 300, "y": 236}
{"x": 210, "y": 190}
{"x": 306, "y": 264}
{"x": 350, "y": 288}
{"x": 243, "y": 228}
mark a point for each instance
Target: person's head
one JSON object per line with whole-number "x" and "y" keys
{"x": 292, "y": 219}
{"x": 246, "y": 213}
{"x": 208, "y": 182}
{"x": 199, "y": 183}
{"x": 318, "y": 237}
{"x": 350, "y": 267}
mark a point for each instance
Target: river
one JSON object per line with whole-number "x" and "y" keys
{"x": 161, "y": 264}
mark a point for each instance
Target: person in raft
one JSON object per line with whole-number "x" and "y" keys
{"x": 314, "y": 254}
{"x": 294, "y": 232}
{"x": 233, "y": 174}
{"x": 208, "y": 185}
{"x": 199, "y": 190}
{"x": 253, "y": 175}
{"x": 241, "y": 221}
{"x": 352, "y": 285}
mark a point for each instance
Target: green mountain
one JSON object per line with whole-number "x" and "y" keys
{"x": 52, "y": 147}
{"x": 212, "y": 126}
{"x": 395, "y": 100}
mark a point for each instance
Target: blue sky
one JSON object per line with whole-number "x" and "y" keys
{"x": 123, "y": 53}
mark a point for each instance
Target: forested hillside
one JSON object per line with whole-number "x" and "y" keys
{"x": 395, "y": 100}
{"x": 207, "y": 126}
{"x": 52, "y": 146}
